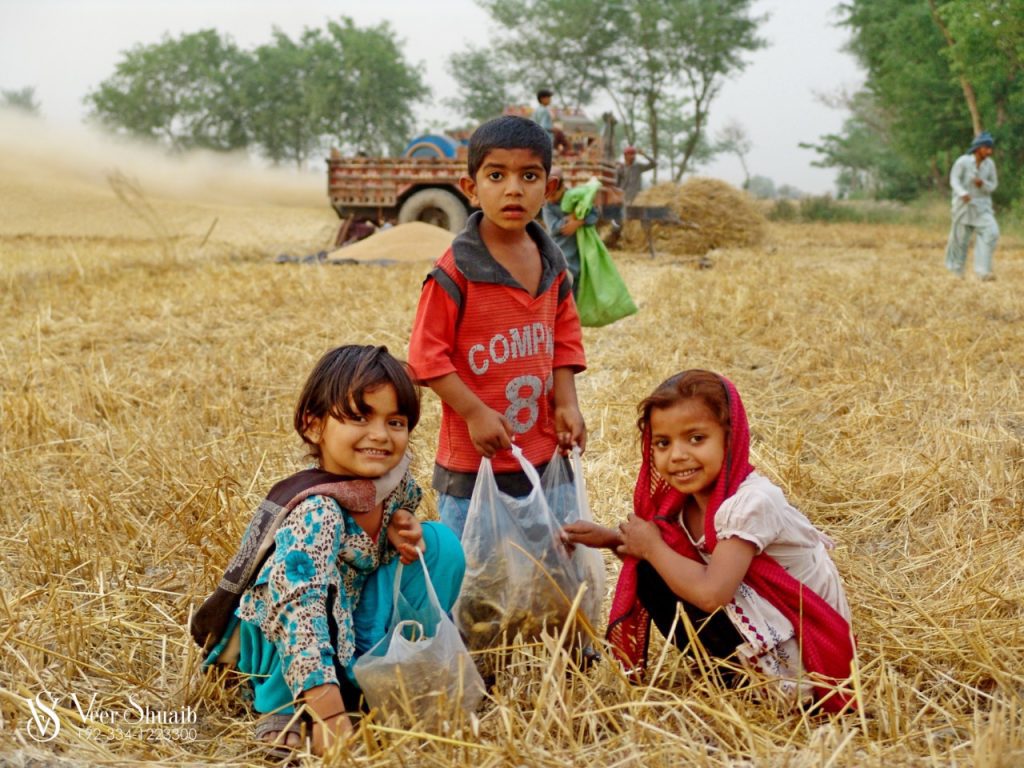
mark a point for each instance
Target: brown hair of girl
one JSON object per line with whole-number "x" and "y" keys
{"x": 338, "y": 384}
{"x": 693, "y": 384}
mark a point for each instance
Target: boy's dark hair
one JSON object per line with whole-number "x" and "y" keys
{"x": 693, "y": 384}
{"x": 338, "y": 384}
{"x": 508, "y": 132}
{"x": 544, "y": 92}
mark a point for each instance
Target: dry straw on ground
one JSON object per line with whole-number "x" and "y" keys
{"x": 146, "y": 385}
{"x": 714, "y": 215}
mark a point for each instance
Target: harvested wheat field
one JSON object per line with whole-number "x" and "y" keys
{"x": 149, "y": 362}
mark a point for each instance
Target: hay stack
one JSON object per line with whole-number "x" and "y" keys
{"x": 722, "y": 217}
{"x": 414, "y": 241}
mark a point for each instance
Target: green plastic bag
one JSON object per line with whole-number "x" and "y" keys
{"x": 602, "y": 296}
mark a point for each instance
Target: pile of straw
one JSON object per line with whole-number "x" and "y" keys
{"x": 146, "y": 389}
{"x": 714, "y": 215}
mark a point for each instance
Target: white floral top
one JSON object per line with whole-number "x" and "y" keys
{"x": 759, "y": 513}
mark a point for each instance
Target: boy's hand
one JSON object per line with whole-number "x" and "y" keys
{"x": 591, "y": 535}
{"x": 571, "y": 225}
{"x": 406, "y": 535}
{"x": 490, "y": 432}
{"x": 570, "y": 428}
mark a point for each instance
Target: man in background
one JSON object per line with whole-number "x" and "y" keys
{"x": 973, "y": 180}
{"x": 628, "y": 175}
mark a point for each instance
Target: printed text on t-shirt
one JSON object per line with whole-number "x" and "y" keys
{"x": 531, "y": 339}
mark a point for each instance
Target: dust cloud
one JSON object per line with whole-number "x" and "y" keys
{"x": 38, "y": 154}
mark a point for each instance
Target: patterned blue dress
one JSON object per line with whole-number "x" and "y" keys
{"x": 325, "y": 595}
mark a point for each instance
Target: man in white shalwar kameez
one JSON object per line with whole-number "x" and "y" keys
{"x": 973, "y": 180}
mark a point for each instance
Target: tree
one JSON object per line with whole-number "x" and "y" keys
{"x": 761, "y": 187}
{"x": 940, "y": 70}
{"x": 863, "y": 152}
{"x": 733, "y": 138}
{"x": 707, "y": 41}
{"x": 23, "y": 100}
{"x": 373, "y": 95}
{"x": 183, "y": 91}
{"x": 658, "y": 60}
{"x": 282, "y": 97}
{"x": 485, "y": 88}
{"x": 288, "y": 97}
{"x": 556, "y": 44}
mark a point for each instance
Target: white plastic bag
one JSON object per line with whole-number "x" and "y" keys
{"x": 566, "y": 494}
{"x": 421, "y": 666}
{"x": 520, "y": 578}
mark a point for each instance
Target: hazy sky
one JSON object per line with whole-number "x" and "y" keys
{"x": 64, "y": 48}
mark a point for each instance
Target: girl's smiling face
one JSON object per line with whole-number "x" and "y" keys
{"x": 688, "y": 447}
{"x": 369, "y": 444}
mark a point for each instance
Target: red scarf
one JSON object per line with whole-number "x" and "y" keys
{"x": 826, "y": 644}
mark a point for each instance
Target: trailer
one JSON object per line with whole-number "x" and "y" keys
{"x": 423, "y": 183}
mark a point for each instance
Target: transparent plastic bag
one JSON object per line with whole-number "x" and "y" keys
{"x": 421, "y": 667}
{"x": 566, "y": 494}
{"x": 520, "y": 578}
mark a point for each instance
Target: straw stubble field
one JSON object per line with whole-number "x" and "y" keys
{"x": 148, "y": 368}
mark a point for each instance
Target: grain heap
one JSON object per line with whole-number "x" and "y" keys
{"x": 715, "y": 214}
{"x": 415, "y": 241}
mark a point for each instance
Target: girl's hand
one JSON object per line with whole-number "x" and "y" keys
{"x": 406, "y": 535}
{"x": 639, "y": 538}
{"x": 591, "y": 535}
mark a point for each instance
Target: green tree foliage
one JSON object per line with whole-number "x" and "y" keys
{"x": 280, "y": 90}
{"x": 23, "y": 100}
{"x": 662, "y": 62}
{"x": 374, "y": 91}
{"x": 485, "y": 89}
{"x": 925, "y": 62}
{"x": 556, "y": 44}
{"x": 183, "y": 91}
{"x": 988, "y": 51}
{"x": 289, "y": 98}
{"x": 863, "y": 153}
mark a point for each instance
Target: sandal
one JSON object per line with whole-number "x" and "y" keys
{"x": 284, "y": 724}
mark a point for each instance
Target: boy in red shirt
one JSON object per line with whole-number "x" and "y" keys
{"x": 496, "y": 334}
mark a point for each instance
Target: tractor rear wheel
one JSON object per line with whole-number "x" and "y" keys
{"x": 435, "y": 206}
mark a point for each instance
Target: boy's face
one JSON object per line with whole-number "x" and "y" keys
{"x": 510, "y": 187}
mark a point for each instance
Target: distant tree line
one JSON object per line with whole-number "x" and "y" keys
{"x": 289, "y": 98}
{"x": 661, "y": 63}
{"x": 937, "y": 74}
{"x": 22, "y": 100}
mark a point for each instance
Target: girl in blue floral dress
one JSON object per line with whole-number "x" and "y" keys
{"x": 323, "y": 595}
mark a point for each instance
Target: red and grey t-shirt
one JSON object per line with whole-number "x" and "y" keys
{"x": 474, "y": 319}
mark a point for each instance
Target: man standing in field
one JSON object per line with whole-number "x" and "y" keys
{"x": 628, "y": 175}
{"x": 973, "y": 180}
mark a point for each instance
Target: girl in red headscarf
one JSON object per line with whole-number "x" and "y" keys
{"x": 707, "y": 533}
